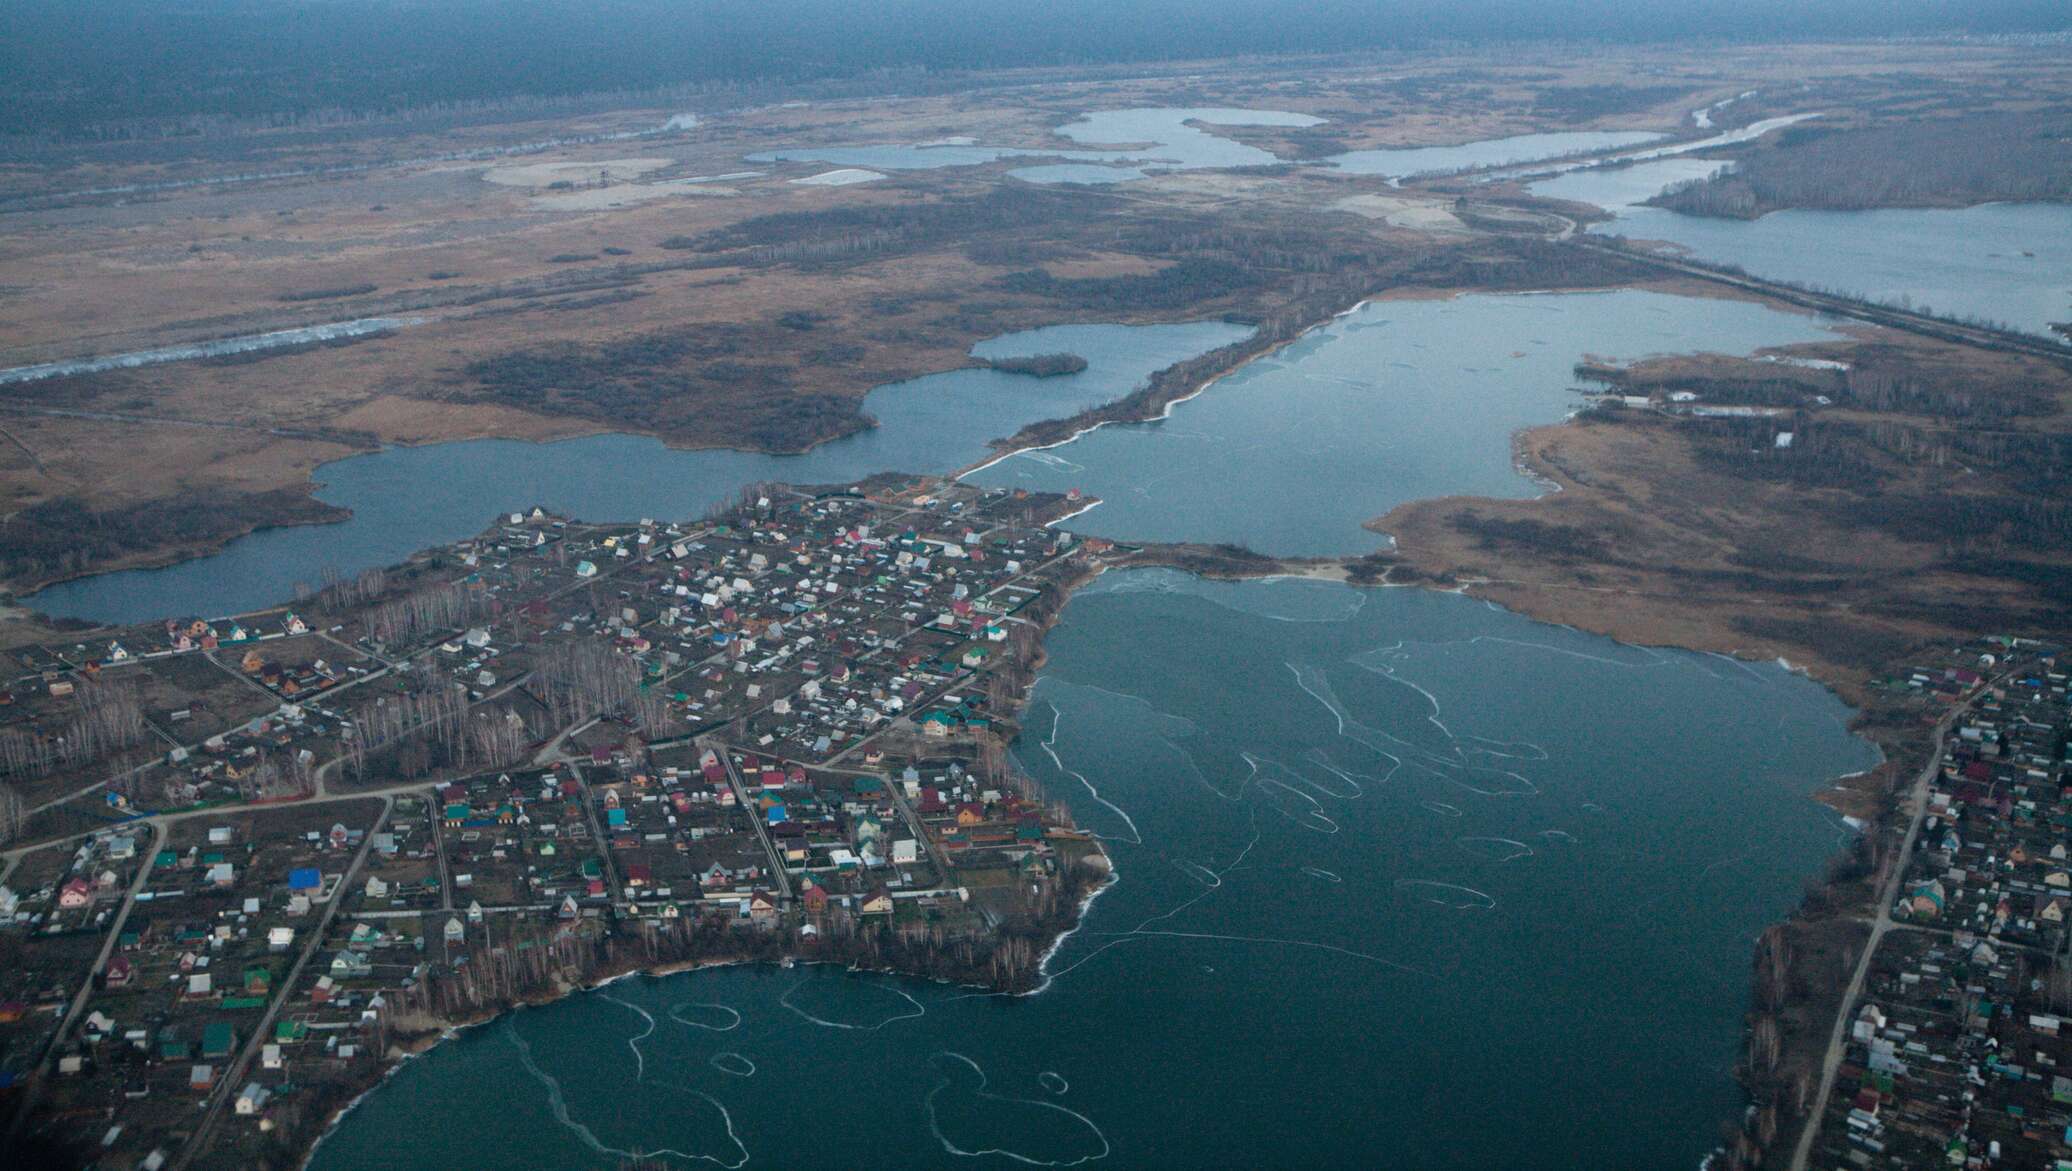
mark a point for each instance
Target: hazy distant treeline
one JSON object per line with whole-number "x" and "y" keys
{"x": 67, "y": 69}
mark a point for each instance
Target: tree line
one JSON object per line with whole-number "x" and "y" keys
{"x": 1976, "y": 158}
{"x": 108, "y": 717}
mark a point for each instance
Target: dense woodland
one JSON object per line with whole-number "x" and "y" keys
{"x": 1040, "y": 365}
{"x": 61, "y": 537}
{"x": 1921, "y": 163}
{"x": 836, "y": 232}
{"x": 726, "y": 379}
{"x": 108, "y": 718}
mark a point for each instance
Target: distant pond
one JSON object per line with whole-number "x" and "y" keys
{"x": 1168, "y": 142}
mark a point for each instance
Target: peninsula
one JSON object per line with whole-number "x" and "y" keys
{"x": 523, "y": 764}
{"x": 250, "y": 862}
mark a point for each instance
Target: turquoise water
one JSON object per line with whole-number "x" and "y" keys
{"x": 1405, "y": 880}
{"x": 1159, "y": 138}
{"x": 405, "y": 499}
{"x": 1399, "y": 401}
{"x": 1404, "y": 162}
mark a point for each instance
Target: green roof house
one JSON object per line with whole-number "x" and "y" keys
{"x": 218, "y": 1039}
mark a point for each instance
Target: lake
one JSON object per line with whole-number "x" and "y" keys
{"x": 1399, "y": 871}
{"x": 1152, "y": 137}
{"x": 1404, "y": 880}
{"x": 1397, "y": 401}
{"x": 405, "y": 499}
{"x": 1739, "y": 134}
{"x": 2004, "y": 262}
{"x": 1620, "y": 188}
{"x": 1134, "y": 142}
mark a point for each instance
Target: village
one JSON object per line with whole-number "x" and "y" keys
{"x": 1958, "y": 1049}
{"x": 263, "y": 857}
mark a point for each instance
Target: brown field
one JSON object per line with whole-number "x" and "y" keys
{"x": 1651, "y": 538}
{"x": 496, "y": 261}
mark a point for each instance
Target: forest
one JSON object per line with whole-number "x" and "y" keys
{"x": 1187, "y": 282}
{"x": 1039, "y": 365}
{"x": 1976, "y": 158}
{"x": 666, "y": 380}
{"x": 62, "y": 536}
{"x": 791, "y": 236}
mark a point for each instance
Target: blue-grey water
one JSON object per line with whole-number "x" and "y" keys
{"x": 1619, "y": 188}
{"x": 1405, "y": 880}
{"x": 408, "y": 498}
{"x": 1131, "y": 143}
{"x": 1398, "y": 401}
{"x": 2004, "y": 262}
{"x": 1128, "y": 144}
{"x": 1403, "y": 876}
{"x": 1738, "y": 134}
{"x": 1404, "y": 162}
{"x": 1175, "y": 137}
{"x": 2009, "y": 263}
{"x": 904, "y": 157}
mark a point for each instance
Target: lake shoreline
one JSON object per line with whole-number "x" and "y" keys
{"x": 1121, "y": 558}
{"x": 1099, "y": 876}
{"x": 1206, "y": 561}
{"x": 549, "y": 432}
{"x": 1582, "y": 463}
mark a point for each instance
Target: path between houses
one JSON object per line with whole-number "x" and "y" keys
{"x": 1888, "y": 890}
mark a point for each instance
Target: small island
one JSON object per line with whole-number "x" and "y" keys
{"x": 1039, "y": 365}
